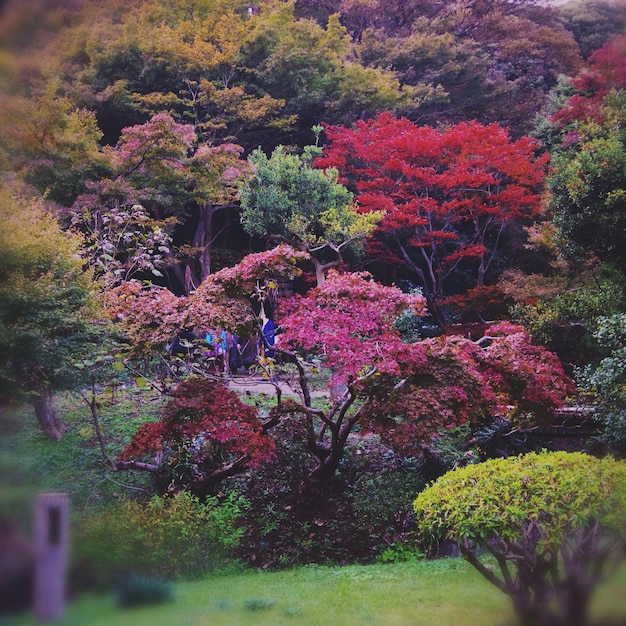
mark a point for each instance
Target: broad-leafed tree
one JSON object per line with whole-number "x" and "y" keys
{"x": 448, "y": 196}
{"x": 286, "y": 200}
{"x": 46, "y": 322}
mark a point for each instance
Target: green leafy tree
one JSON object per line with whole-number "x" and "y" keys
{"x": 583, "y": 277}
{"x": 451, "y": 75}
{"x": 313, "y": 69}
{"x": 236, "y": 76}
{"x": 52, "y": 143}
{"x": 588, "y": 185}
{"x": 593, "y": 22}
{"x": 551, "y": 521}
{"x": 46, "y": 323}
{"x": 195, "y": 64}
{"x": 560, "y": 306}
{"x": 606, "y": 380}
{"x": 489, "y": 61}
{"x": 289, "y": 201}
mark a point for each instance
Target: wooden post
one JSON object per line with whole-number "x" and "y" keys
{"x": 51, "y": 555}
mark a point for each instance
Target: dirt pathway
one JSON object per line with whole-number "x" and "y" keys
{"x": 258, "y": 385}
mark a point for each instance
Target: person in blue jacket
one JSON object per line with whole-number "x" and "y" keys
{"x": 268, "y": 332}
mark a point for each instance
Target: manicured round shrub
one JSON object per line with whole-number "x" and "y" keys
{"x": 551, "y": 521}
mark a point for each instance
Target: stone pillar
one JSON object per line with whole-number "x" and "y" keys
{"x": 51, "y": 555}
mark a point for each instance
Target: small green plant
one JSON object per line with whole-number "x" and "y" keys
{"x": 293, "y": 611}
{"x": 139, "y": 590}
{"x": 397, "y": 552}
{"x": 223, "y": 604}
{"x": 259, "y": 604}
{"x": 382, "y": 503}
{"x": 606, "y": 380}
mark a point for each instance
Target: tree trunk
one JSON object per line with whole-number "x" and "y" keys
{"x": 540, "y": 604}
{"x": 323, "y": 472}
{"x": 480, "y": 274}
{"x": 176, "y": 276}
{"x": 329, "y": 454}
{"x": 50, "y": 423}
{"x": 437, "y": 312}
{"x": 573, "y": 601}
{"x": 203, "y": 237}
{"x": 320, "y": 268}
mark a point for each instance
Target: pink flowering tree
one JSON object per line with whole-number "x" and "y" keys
{"x": 205, "y": 432}
{"x": 347, "y": 324}
{"x": 148, "y": 316}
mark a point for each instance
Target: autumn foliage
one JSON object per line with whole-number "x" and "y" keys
{"x": 605, "y": 71}
{"x": 204, "y": 434}
{"x": 448, "y": 195}
{"x": 406, "y": 393}
{"x": 441, "y": 387}
{"x": 451, "y": 380}
{"x": 528, "y": 380}
{"x": 348, "y": 323}
{"x": 150, "y": 315}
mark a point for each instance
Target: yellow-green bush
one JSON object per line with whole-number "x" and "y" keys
{"x": 171, "y": 537}
{"x": 551, "y": 521}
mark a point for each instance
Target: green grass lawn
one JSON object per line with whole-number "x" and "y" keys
{"x": 441, "y": 593}
{"x": 430, "y": 593}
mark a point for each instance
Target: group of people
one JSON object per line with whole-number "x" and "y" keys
{"x": 228, "y": 352}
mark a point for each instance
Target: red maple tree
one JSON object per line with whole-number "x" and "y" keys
{"x": 348, "y": 322}
{"x": 204, "y": 434}
{"x": 448, "y": 195}
{"x": 605, "y": 70}
{"x": 404, "y": 392}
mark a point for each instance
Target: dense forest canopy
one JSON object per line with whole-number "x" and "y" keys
{"x": 142, "y": 123}
{"x": 77, "y": 76}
